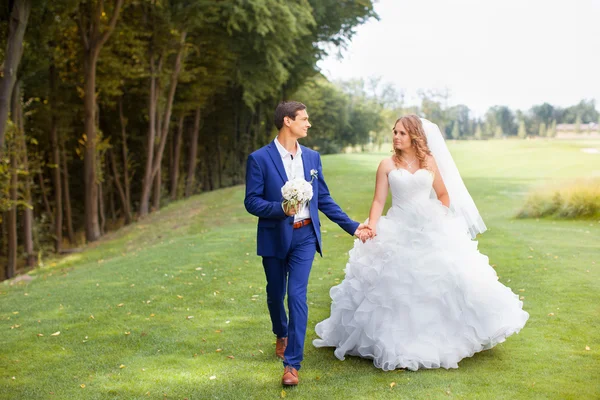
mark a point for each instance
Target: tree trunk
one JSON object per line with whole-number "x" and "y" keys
{"x": 147, "y": 181}
{"x": 93, "y": 38}
{"x": 176, "y": 157}
{"x": 191, "y": 173}
{"x": 101, "y": 208}
{"x": 21, "y": 145}
{"x": 126, "y": 184}
{"x": 11, "y": 263}
{"x": 45, "y": 196}
{"x": 117, "y": 181}
{"x": 111, "y": 202}
{"x": 219, "y": 158}
{"x": 58, "y": 217}
{"x": 14, "y": 50}
{"x": 67, "y": 193}
{"x": 164, "y": 127}
{"x": 157, "y": 190}
{"x": 92, "y": 224}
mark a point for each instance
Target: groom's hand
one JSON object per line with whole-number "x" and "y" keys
{"x": 363, "y": 232}
{"x": 289, "y": 211}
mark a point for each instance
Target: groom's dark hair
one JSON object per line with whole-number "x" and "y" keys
{"x": 287, "y": 109}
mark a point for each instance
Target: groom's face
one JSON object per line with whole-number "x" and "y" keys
{"x": 299, "y": 126}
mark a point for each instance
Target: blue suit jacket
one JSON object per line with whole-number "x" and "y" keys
{"x": 265, "y": 176}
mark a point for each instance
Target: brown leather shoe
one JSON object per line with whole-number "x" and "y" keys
{"x": 280, "y": 347}
{"x": 290, "y": 376}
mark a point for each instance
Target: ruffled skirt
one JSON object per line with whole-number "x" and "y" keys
{"x": 419, "y": 295}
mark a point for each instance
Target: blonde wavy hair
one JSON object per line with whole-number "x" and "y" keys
{"x": 414, "y": 128}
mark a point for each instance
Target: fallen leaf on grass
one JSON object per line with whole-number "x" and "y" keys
{"x": 219, "y": 350}
{"x": 40, "y": 334}
{"x": 551, "y": 314}
{"x": 82, "y": 386}
{"x": 55, "y": 333}
{"x": 231, "y": 357}
{"x": 120, "y": 304}
{"x": 392, "y": 385}
{"x": 127, "y": 333}
{"x": 189, "y": 317}
{"x": 121, "y": 366}
{"x": 587, "y": 348}
{"x": 179, "y": 297}
{"x": 283, "y": 394}
{"x": 212, "y": 378}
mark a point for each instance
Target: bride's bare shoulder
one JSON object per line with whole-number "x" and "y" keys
{"x": 386, "y": 165}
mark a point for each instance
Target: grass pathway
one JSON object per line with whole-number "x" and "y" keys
{"x": 174, "y": 306}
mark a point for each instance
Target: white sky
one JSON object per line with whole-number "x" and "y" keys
{"x": 485, "y": 52}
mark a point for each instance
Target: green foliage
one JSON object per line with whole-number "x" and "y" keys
{"x": 580, "y": 199}
{"x": 342, "y": 114}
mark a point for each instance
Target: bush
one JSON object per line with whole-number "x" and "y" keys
{"x": 580, "y": 199}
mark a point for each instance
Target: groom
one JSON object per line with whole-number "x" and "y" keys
{"x": 287, "y": 239}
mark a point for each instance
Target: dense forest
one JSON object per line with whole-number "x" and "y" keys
{"x": 110, "y": 109}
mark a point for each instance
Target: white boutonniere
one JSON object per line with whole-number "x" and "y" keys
{"x": 313, "y": 175}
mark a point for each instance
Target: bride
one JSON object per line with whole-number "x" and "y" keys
{"x": 418, "y": 294}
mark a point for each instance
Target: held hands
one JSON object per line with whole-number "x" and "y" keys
{"x": 365, "y": 232}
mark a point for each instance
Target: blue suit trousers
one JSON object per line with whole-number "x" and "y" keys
{"x": 291, "y": 275}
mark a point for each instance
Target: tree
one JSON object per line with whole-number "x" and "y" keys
{"x": 478, "y": 133}
{"x": 455, "y": 131}
{"x": 578, "y": 124}
{"x": 552, "y": 130}
{"x": 94, "y": 31}
{"x": 498, "y": 132}
{"x": 542, "y": 129}
{"x": 19, "y": 11}
{"x": 522, "y": 131}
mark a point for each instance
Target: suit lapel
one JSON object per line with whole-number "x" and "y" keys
{"x": 305, "y": 164}
{"x": 276, "y": 157}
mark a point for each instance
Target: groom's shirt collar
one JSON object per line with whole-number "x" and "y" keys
{"x": 284, "y": 153}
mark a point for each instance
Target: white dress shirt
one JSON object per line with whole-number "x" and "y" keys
{"x": 294, "y": 168}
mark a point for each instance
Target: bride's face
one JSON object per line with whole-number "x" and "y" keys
{"x": 402, "y": 140}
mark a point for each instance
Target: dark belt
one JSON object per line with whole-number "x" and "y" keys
{"x": 302, "y": 223}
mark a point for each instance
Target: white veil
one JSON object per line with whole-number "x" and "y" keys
{"x": 461, "y": 201}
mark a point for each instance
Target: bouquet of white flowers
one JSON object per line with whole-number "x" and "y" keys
{"x": 298, "y": 192}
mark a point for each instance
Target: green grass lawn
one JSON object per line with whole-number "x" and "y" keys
{"x": 174, "y": 306}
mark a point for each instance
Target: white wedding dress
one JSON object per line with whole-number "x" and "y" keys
{"x": 418, "y": 295}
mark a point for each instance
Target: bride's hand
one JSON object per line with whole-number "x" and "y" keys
{"x": 373, "y": 231}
